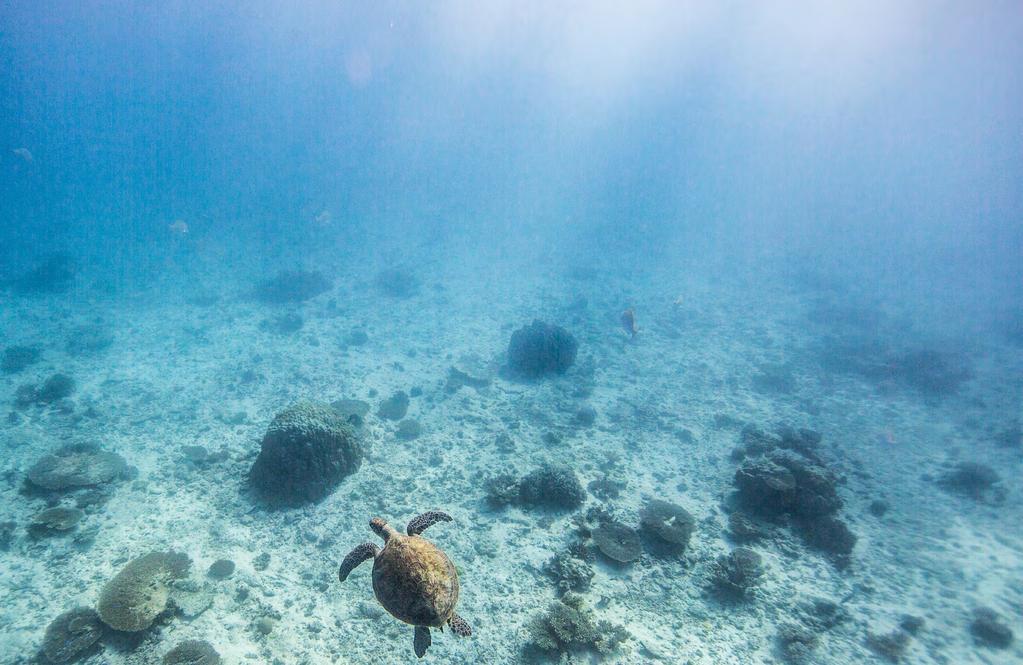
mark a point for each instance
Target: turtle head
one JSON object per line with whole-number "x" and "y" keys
{"x": 382, "y": 528}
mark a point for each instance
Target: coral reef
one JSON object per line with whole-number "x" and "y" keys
{"x": 738, "y": 572}
{"x": 409, "y": 429}
{"x": 139, "y": 592}
{"x": 394, "y": 407}
{"x": 570, "y": 573}
{"x": 18, "y": 358}
{"x": 292, "y": 286}
{"x": 540, "y": 349}
{"x": 397, "y": 283}
{"x": 89, "y": 340}
{"x": 618, "y": 542}
{"x": 192, "y": 652}
{"x": 306, "y": 452}
{"x": 54, "y": 521}
{"x": 988, "y": 629}
{"x": 783, "y": 477}
{"x": 55, "y": 388}
{"x": 501, "y": 490}
{"x": 71, "y": 635}
{"x": 797, "y": 642}
{"x": 668, "y": 525}
{"x": 221, "y": 569}
{"x": 569, "y": 625}
{"x": 52, "y": 275}
{"x": 74, "y": 466}
{"x": 974, "y": 480}
{"x": 890, "y": 646}
{"x": 552, "y": 487}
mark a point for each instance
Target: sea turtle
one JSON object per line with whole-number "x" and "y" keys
{"x": 412, "y": 578}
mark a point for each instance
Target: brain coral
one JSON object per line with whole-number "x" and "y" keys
{"x": 307, "y": 450}
{"x": 138, "y": 594}
{"x": 76, "y": 466}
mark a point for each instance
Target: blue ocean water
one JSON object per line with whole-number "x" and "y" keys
{"x": 695, "y": 329}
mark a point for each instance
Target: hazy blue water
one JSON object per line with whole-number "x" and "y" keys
{"x": 862, "y": 155}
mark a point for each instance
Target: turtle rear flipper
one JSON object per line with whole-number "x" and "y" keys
{"x": 459, "y": 626}
{"x": 421, "y": 641}
{"x": 425, "y": 521}
{"x": 354, "y": 558}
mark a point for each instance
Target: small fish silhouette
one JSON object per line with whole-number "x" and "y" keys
{"x": 179, "y": 227}
{"x": 24, "y": 154}
{"x": 629, "y": 322}
{"x": 324, "y": 218}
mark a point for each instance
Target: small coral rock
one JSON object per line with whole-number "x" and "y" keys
{"x": 17, "y": 358}
{"x": 988, "y": 629}
{"x": 71, "y": 635}
{"x": 540, "y": 349}
{"x": 76, "y": 466}
{"x": 552, "y": 487}
{"x": 306, "y": 452}
{"x": 291, "y": 287}
{"x": 409, "y": 429}
{"x": 739, "y": 571}
{"x": 192, "y": 652}
{"x": 394, "y": 407}
{"x": 221, "y": 569}
{"x": 138, "y": 594}
{"x": 55, "y": 520}
{"x": 617, "y": 542}
{"x": 669, "y": 524}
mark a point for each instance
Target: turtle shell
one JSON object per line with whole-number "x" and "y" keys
{"x": 415, "y": 581}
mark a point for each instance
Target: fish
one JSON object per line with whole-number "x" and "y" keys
{"x": 324, "y": 218}
{"x": 628, "y": 320}
{"x": 24, "y": 154}
{"x": 178, "y": 227}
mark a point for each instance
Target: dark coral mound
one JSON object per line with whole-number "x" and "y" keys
{"x": 54, "y": 521}
{"x": 540, "y": 349}
{"x": 397, "y": 283}
{"x": 76, "y": 466}
{"x": 291, "y": 286}
{"x": 668, "y": 525}
{"x": 974, "y": 480}
{"x": 192, "y": 652}
{"x": 988, "y": 629}
{"x": 784, "y": 479}
{"x": 71, "y": 635}
{"x": 54, "y": 389}
{"x": 306, "y": 452}
{"x": 139, "y": 593}
{"x": 569, "y": 625}
{"x": 552, "y": 487}
{"x": 89, "y": 340}
{"x": 738, "y": 572}
{"x": 53, "y": 275}
{"x": 17, "y": 358}
{"x": 617, "y": 542}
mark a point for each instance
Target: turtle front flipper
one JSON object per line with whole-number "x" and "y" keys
{"x": 354, "y": 558}
{"x": 425, "y": 521}
{"x": 421, "y": 641}
{"x": 459, "y": 626}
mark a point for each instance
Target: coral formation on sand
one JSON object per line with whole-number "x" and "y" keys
{"x": 501, "y": 490}
{"x": 307, "y": 450}
{"x": 89, "y": 340}
{"x": 394, "y": 407}
{"x": 988, "y": 629}
{"x": 669, "y": 525}
{"x": 974, "y": 480}
{"x": 618, "y": 542}
{"x": 409, "y": 429}
{"x": 71, "y": 635}
{"x": 291, "y": 286}
{"x": 569, "y": 572}
{"x": 539, "y": 349}
{"x": 738, "y": 572}
{"x": 54, "y": 520}
{"x": 552, "y": 487}
{"x": 221, "y": 569}
{"x": 17, "y": 358}
{"x": 192, "y": 652}
{"x": 52, "y": 275}
{"x": 569, "y": 625}
{"x": 397, "y": 283}
{"x": 139, "y": 592}
{"x": 55, "y": 388}
{"x": 73, "y": 466}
